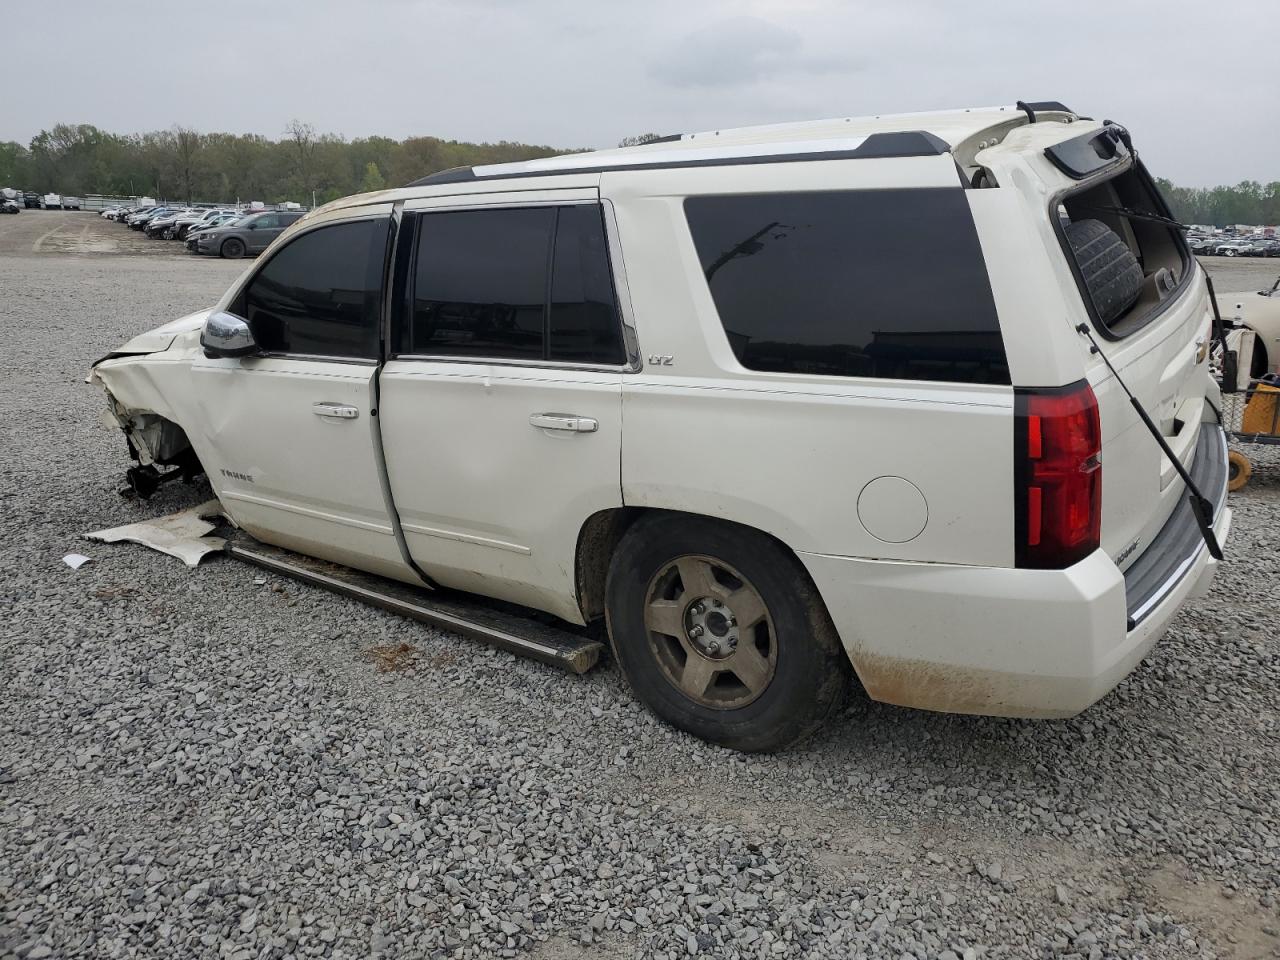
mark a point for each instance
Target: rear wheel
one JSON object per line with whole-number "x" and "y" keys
{"x": 720, "y": 631}
{"x": 232, "y": 249}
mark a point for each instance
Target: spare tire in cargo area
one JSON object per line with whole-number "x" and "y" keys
{"x": 1111, "y": 272}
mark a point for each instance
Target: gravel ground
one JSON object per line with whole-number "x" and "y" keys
{"x": 211, "y": 763}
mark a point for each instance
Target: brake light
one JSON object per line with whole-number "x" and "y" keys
{"x": 1057, "y": 475}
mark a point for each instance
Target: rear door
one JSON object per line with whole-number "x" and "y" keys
{"x": 501, "y": 405}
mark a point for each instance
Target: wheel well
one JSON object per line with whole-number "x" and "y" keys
{"x": 598, "y": 540}
{"x": 1258, "y": 363}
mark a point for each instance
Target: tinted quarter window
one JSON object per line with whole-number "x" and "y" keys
{"x": 869, "y": 283}
{"x": 320, "y": 293}
{"x": 584, "y": 325}
{"x": 480, "y": 283}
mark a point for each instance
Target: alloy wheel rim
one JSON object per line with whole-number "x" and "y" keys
{"x": 710, "y": 632}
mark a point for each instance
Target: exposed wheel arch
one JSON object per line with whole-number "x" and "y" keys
{"x": 598, "y": 539}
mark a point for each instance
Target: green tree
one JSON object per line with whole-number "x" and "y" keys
{"x": 372, "y": 180}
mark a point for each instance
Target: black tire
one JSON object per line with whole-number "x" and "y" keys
{"x": 810, "y": 674}
{"x": 1111, "y": 272}
{"x": 232, "y": 249}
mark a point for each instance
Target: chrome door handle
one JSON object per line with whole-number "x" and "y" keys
{"x": 564, "y": 421}
{"x": 335, "y": 411}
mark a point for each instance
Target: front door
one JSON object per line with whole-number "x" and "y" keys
{"x": 502, "y": 406}
{"x": 290, "y": 439}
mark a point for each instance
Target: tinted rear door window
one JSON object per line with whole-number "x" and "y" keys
{"x": 531, "y": 283}
{"x": 874, "y": 283}
{"x": 320, "y": 293}
{"x": 480, "y": 285}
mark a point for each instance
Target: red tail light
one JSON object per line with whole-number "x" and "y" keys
{"x": 1057, "y": 475}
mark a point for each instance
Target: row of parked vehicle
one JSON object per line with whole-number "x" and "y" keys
{"x": 1206, "y": 246}
{"x": 217, "y": 231}
{"x": 14, "y": 201}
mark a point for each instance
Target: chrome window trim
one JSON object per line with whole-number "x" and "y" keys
{"x": 621, "y": 289}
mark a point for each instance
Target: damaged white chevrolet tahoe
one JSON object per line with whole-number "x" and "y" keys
{"x": 925, "y": 396}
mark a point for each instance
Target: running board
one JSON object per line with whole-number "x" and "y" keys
{"x": 487, "y": 621}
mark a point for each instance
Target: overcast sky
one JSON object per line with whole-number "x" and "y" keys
{"x": 1194, "y": 80}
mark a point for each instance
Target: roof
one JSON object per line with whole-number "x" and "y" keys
{"x": 898, "y": 135}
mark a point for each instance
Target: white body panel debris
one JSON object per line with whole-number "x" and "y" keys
{"x": 76, "y": 560}
{"x": 181, "y": 535}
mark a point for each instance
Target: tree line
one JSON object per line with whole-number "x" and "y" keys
{"x": 1250, "y": 202}
{"x": 185, "y": 165}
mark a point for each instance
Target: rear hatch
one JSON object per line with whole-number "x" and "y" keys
{"x": 1147, "y": 303}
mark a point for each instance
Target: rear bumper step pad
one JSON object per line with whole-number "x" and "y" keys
{"x": 496, "y": 624}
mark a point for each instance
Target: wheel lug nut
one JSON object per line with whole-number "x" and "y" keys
{"x": 731, "y": 621}
{"x": 713, "y": 646}
{"x": 695, "y": 632}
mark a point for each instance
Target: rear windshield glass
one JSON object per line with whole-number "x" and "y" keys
{"x": 1128, "y": 265}
{"x": 888, "y": 284}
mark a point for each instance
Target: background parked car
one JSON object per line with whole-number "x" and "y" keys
{"x": 251, "y": 235}
{"x": 31, "y": 200}
{"x": 139, "y": 221}
{"x": 206, "y": 218}
{"x": 1233, "y": 248}
{"x": 51, "y": 201}
{"x": 222, "y": 220}
{"x": 70, "y": 203}
{"x": 163, "y": 226}
{"x": 9, "y": 206}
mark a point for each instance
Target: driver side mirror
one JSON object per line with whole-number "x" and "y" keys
{"x": 226, "y": 335}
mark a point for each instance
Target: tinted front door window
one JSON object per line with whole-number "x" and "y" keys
{"x": 320, "y": 293}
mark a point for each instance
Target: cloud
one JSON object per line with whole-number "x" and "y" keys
{"x": 736, "y": 51}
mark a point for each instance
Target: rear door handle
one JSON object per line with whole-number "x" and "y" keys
{"x": 335, "y": 411}
{"x": 564, "y": 421}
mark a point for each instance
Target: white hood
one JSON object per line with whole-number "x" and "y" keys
{"x": 153, "y": 341}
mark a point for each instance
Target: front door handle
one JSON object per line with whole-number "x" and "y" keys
{"x": 564, "y": 421}
{"x": 335, "y": 411}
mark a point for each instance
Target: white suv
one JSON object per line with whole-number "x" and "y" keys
{"x": 773, "y": 402}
